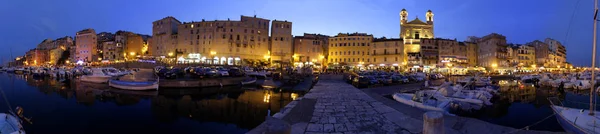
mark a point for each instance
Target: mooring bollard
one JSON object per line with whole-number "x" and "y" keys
{"x": 433, "y": 123}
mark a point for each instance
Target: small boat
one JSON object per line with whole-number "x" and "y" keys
{"x": 134, "y": 85}
{"x": 582, "y": 85}
{"x": 97, "y": 76}
{"x": 38, "y": 72}
{"x": 577, "y": 121}
{"x": 423, "y": 102}
{"x": 19, "y": 70}
{"x": 249, "y": 81}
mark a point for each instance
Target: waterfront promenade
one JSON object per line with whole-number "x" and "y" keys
{"x": 334, "y": 106}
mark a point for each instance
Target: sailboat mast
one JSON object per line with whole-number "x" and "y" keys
{"x": 593, "y": 59}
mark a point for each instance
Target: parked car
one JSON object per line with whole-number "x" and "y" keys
{"x": 209, "y": 72}
{"x": 236, "y": 72}
{"x": 372, "y": 80}
{"x": 198, "y": 72}
{"x": 360, "y": 81}
{"x": 174, "y": 73}
{"x": 384, "y": 79}
{"x": 400, "y": 79}
{"x": 223, "y": 72}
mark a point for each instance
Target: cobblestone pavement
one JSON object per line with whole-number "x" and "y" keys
{"x": 342, "y": 108}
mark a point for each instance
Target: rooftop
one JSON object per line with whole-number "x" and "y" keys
{"x": 384, "y": 39}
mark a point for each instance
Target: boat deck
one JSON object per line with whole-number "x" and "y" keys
{"x": 7, "y": 124}
{"x": 580, "y": 118}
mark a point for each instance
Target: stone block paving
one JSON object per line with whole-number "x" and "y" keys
{"x": 342, "y": 108}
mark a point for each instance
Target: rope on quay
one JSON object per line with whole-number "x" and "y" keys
{"x": 527, "y": 127}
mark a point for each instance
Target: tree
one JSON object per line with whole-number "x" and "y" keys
{"x": 64, "y": 56}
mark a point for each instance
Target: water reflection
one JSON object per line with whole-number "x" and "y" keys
{"x": 241, "y": 108}
{"x": 246, "y": 108}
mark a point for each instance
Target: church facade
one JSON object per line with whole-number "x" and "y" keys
{"x": 411, "y": 33}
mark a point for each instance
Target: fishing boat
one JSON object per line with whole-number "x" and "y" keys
{"x": 575, "y": 120}
{"x": 97, "y": 76}
{"x": 134, "y": 85}
{"x": 249, "y": 81}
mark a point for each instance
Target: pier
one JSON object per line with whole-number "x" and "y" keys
{"x": 333, "y": 106}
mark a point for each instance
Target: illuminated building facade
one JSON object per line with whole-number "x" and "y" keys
{"x": 350, "y": 49}
{"x": 85, "y": 46}
{"x": 412, "y": 32}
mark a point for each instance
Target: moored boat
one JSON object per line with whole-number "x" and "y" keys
{"x": 577, "y": 121}
{"x": 10, "y": 124}
{"x": 249, "y": 81}
{"x": 134, "y": 85}
{"x": 97, "y": 76}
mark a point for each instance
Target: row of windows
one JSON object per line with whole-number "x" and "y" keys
{"x": 358, "y": 59}
{"x": 349, "y": 53}
{"x": 223, "y": 30}
{"x": 348, "y": 44}
{"x": 264, "y": 24}
{"x": 349, "y": 38}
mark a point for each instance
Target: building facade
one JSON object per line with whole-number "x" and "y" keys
{"x": 541, "y": 52}
{"x": 226, "y": 41}
{"x": 308, "y": 50}
{"x": 350, "y": 49}
{"x": 525, "y": 55}
{"x": 164, "y": 36}
{"x": 280, "y": 44}
{"x": 36, "y": 57}
{"x": 557, "y": 53}
{"x": 134, "y": 45}
{"x": 412, "y": 32}
{"x": 492, "y": 51}
{"x": 85, "y": 45}
{"x": 387, "y": 52}
{"x": 112, "y": 52}
{"x": 472, "y": 49}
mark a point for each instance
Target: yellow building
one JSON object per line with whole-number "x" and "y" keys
{"x": 388, "y": 53}
{"x": 225, "y": 41}
{"x": 471, "y": 53}
{"x": 281, "y": 42}
{"x": 308, "y": 50}
{"x": 350, "y": 49}
{"x": 134, "y": 45}
{"x": 525, "y": 55}
{"x": 412, "y": 32}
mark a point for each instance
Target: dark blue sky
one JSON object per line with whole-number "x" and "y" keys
{"x": 25, "y": 23}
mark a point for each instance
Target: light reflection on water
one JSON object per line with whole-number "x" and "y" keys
{"x": 522, "y": 104}
{"x": 77, "y": 107}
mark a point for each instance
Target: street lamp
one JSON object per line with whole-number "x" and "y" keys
{"x": 170, "y": 54}
{"x": 213, "y": 53}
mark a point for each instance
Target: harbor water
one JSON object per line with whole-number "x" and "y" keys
{"x": 527, "y": 107}
{"x": 70, "y": 106}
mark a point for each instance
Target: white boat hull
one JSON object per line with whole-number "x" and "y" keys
{"x": 95, "y": 79}
{"x": 406, "y": 99}
{"x": 137, "y": 88}
{"x": 10, "y": 124}
{"x": 577, "y": 120}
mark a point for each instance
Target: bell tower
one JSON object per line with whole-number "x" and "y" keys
{"x": 429, "y": 16}
{"x": 403, "y": 15}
